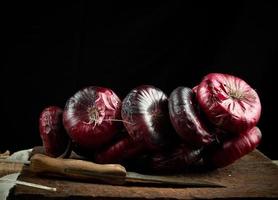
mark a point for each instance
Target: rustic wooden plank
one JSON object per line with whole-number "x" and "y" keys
{"x": 253, "y": 176}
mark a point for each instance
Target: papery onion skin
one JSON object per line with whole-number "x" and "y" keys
{"x": 195, "y": 89}
{"x": 120, "y": 151}
{"x": 233, "y": 149}
{"x": 53, "y": 135}
{"x": 89, "y": 114}
{"x": 179, "y": 159}
{"x": 146, "y": 117}
{"x": 229, "y": 102}
{"x": 185, "y": 118}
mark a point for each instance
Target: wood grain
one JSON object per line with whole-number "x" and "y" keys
{"x": 253, "y": 176}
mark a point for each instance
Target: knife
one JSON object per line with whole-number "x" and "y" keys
{"x": 114, "y": 174}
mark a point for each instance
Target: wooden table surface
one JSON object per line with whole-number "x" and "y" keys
{"x": 253, "y": 176}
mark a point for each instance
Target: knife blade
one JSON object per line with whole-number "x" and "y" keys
{"x": 134, "y": 177}
{"x": 108, "y": 173}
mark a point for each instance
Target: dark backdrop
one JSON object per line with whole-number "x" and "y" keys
{"x": 52, "y": 50}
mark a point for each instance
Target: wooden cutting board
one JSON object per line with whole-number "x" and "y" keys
{"x": 253, "y": 176}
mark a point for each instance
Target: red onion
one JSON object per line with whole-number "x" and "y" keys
{"x": 123, "y": 149}
{"x": 146, "y": 117}
{"x": 54, "y": 137}
{"x": 186, "y": 119}
{"x": 229, "y": 102}
{"x": 176, "y": 160}
{"x": 91, "y": 117}
{"x": 233, "y": 149}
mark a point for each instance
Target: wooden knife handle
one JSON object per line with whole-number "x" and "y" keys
{"x": 78, "y": 169}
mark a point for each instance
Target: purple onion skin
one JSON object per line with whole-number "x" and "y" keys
{"x": 179, "y": 159}
{"x": 233, "y": 149}
{"x": 90, "y": 117}
{"x": 185, "y": 118}
{"x": 54, "y": 137}
{"x": 229, "y": 102}
{"x": 146, "y": 117}
{"x": 120, "y": 151}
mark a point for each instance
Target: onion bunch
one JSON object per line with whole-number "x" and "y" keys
{"x": 213, "y": 123}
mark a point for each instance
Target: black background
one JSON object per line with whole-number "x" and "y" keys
{"x": 53, "y": 50}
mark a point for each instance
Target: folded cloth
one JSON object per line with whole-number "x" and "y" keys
{"x": 22, "y": 155}
{"x": 5, "y": 186}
